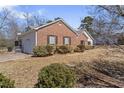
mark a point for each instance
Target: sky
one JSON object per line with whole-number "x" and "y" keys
{"x": 72, "y": 14}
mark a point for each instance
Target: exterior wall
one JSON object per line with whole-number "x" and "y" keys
{"x": 60, "y": 30}
{"x": 81, "y": 37}
{"x": 89, "y": 39}
{"x": 28, "y": 42}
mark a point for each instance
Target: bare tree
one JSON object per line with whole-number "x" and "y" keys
{"x": 106, "y": 24}
{"x": 116, "y": 9}
{"x": 3, "y": 26}
{"x": 3, "y": 17}
{"x": 28, "y": 19}
{"x": 39, "y": 20}
{"x": 13, "y": 28}
{"x": 8, "y": 27}
{"x": 34, "y": 20}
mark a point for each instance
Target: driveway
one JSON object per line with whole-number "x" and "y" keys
{"x": 12, "y": 56}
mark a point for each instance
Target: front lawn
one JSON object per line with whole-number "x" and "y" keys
{"x": 25, "y": 71}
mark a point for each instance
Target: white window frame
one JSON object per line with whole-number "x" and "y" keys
{"x": 51, "y": 42}
{"x": 69, "y": 40}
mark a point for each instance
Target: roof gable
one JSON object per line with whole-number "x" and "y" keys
{"x": 85, "y": 32}
{"x": 59, "y": 20}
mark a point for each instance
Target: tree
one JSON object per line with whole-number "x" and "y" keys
{"x": 11, "y": 24}
{"x": 49, "y": 21}
{"x": 106, "y": 24}
{"x": 39, "y": 20}
{"x": 57, "y": 18}
{"x": 33, "y": 20}
{"x": 3, "y": 26}
{"x": 86, "y": 23}
{"x": 3, "y": 18}
{"x": 8, "y": 28}
{"x": 115, "y": 9}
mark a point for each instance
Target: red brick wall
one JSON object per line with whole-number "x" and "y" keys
{"x": 60, "y": 30}
{"x": 81, "y": 37}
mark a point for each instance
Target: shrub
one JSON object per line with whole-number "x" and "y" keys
{"x": 50, "y": 49}
{"x": 82, "y": 47}
{"x": 5, "y": 82}
{"x": 77, "y": 49}
{"x": 64, "y": 49}
{"x": 40, "y": 51}
{"x": 9, "y": 49}
{"x": 87, "y": 47}
{"x": 3, "y": 50}
{"x": 56, "y": 76}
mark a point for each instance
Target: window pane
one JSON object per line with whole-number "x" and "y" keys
{"x": 16, "y": 43}
{"x": 89, "y": 43}
{"x": 52, "y": 40}
{"x": 82, "y": 42}
{"x": 66, "y": 40}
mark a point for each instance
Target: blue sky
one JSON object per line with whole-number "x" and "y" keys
{"x": 72, "y": 14}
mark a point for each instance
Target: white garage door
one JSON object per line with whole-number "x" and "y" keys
{"x": 28, "y": 46}
{"x": 28, "y": 43}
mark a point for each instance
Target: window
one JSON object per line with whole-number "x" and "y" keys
{"x": 52, "y": 39}
{"x": 16, "y": 43}
{"x": 67, "y": 40}
{"x": 89, "y": 43}
{"x": 82, "y": 42}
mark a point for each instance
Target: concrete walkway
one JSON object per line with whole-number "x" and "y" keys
{"x": 12, "y": 56}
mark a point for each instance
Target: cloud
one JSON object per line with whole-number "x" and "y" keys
{"x": 20, "y": 14}
{"x": 6, "y": 7}
{"x": 2, "y": 6}
{"x": 14, "y": 11}
{"x": 41, "y": 11}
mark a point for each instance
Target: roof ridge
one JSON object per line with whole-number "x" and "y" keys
{"x": 54, "y": 21}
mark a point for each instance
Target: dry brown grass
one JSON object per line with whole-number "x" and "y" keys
{"x": 25, "y": 71}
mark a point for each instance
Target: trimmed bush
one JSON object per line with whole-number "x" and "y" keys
{"x": 50, "y": 49}
{"x": 9, "y": 49}
{"x": 64, "y": 49}
{"x": 40, "y": 51}
{"x": 5, "y": 82}
{"x": 82, "y": 47}
{"x": 79, "y": 48}
{"x": 87, "y": 47}
{"x": 56, "y": 76}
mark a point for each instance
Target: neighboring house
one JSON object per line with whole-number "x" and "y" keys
{"x": 57, "y": 32}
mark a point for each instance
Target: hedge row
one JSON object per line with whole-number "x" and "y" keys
{"x": 41, "y": 51}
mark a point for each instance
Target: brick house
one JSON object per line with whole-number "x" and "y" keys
{"x": 57, "y": 32}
